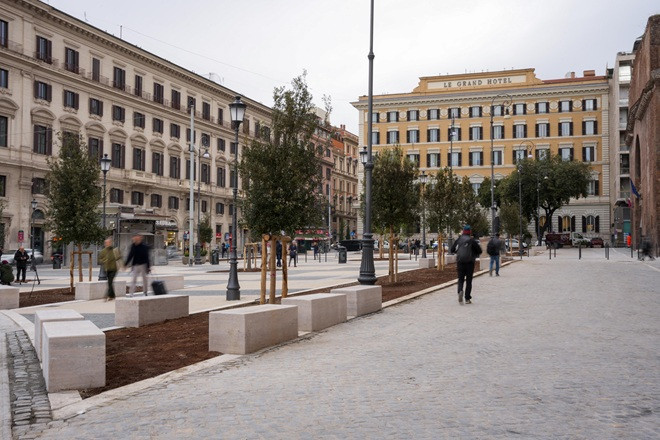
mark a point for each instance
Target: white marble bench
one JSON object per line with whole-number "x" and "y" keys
{"x": 143, "y": 310}
{"x": 249, "y": 329}
{"x": 73, "y": 355}
{"x": 362, "y": 300}
{"x": 426, "y": 263}
{"x": 42, "y": 316}
{"x": 319, "y": 310}
{"x": 9, "y": 297}
{"x": 88, "y": 290}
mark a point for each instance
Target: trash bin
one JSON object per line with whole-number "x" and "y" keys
{"x": 57, "y": 262}
{"x": 343, "y": 255}
{"x": 215, "y": 257}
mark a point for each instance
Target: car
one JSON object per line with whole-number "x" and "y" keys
{"x": 596, "y": 241}
{"x": 172, "y": 252}
{"x": 445, "y": 246}
{"x": 513, "y": 244}
{"x": 9, "y": 256}
{"x": 386, "y": 244}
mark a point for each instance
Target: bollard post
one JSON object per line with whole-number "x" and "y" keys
{"x": 579, "y": 251}
{"x": 631, "y": 251}
{"x": 549, "y": 253}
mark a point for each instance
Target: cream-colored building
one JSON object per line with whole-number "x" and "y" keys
{"x": 567, "y": 116}
{"x": 59, "y": 74}
{"x": 344, "y": 183}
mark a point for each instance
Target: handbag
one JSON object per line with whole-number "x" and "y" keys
{"x": 158, "y": 287}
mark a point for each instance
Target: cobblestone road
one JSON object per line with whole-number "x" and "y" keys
{"x": 551, "y": 349}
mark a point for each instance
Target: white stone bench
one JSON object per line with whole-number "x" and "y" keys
{"x": 57, "y": 315}
{"x": 249, "y": 329}
{"x": 172, "y": 282}
{"x": 9, "y": 297}
{"x": 426, "y": 263}
{"x": 450, "y": 258}
{"x": 362, "y": 300}
{"x": 319, "y": 310}
{"x": 89, "y": 290}
{"x": 73, "y": 355}
{"x": 143, "y": 310}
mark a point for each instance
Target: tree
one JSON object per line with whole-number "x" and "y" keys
{"x": 205, "y": 230}
{"x": 443, "y": 202}
{"x": 74, "y": 195}
{"x": 510, "y": 220}
{"x": 471, "y": 212}
{"x": 483, "y": 195}
{"x": 395, "y": 197}
{"x": 558, "y": 182}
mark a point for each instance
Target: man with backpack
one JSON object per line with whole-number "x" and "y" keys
{"x": 493, "y": 249}
{"x": 467, "y": 249}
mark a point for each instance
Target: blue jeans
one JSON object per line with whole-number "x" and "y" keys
{"x": 495, "y": 259}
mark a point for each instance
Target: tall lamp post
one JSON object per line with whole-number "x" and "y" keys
{"x": 367, "y": 270}
{"x": 505, "y": 98}
{"x": 33, "y": 205}
{"x": 237, "y": 111}
{"x": 529, "y": 148}
{"x": 198, "y": 245}
{"x": 191, "y": 205}
{"x": 105, "y": 167}
{"x": 452, "y": 131}
{"x": 423, "y": 179}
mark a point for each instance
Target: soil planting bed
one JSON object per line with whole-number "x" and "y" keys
{"x": 51, "y": 296}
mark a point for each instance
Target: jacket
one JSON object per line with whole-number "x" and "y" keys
{"x": 109, "y": 259}
{"x": 474, "y": 245}
{"x": 21, "y": 258}
{"x": 139, "y": 254}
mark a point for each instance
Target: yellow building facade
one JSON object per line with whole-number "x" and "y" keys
{"x": 567, "y": 116}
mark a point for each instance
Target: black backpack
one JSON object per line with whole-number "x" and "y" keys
{"x": 464, "y": 252}
{"x": 491, "y": 248}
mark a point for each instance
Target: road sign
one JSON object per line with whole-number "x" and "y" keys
{"x": 21, "y": 236}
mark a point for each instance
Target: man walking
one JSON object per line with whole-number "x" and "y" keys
{"x": 109, "y": 257}
{"x": 21, "y": 258}
{"x": 467, "y": 249}
{"x": 494, "y": 248}
{"x": 293, "y": 252}
{"x": 138, "y": 258}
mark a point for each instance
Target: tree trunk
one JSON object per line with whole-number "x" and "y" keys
{"x": 247, "y": 255}
{"x": 264, "y": 255}
{"x": 90, "y": 266}
{"x": 391, "y": 257}
{"x": 285, "y": 268}
{"x": 80, "y": 263}
{"x": 380, "y": 247}
{"x": 72, "y": 265}
{"x": 396, "y": 259}
{"x": 273, "y": 269}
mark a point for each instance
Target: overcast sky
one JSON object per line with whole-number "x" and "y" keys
{"x": 256, "y": 45}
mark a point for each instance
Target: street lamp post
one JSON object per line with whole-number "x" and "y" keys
{"x": 237, "y": 111}
{"x": 198, "y": 245}
{"x": 506, "y": 101}
{"x": 423, "y": 179}
{"x": 191, "y": 204}
{"x": 105, "y": 167}
{"x": 33, "y": 205}
{"x": 529, "y": 148}
{"x": 452, "y": 130}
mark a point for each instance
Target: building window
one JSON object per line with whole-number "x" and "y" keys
{"x": 589, "y": 128}
{"x": 157, "y": 125}
{"x": 565, "y": 129}
{"x": 475, "y": 111}
{"x": 3, "y": 186}
{"x": 497, "y": 110}
{"x": 70, "y": 99}
{"x": 175, "y": 131}
{"x": 542, "y": 107}
{"x": 454, "y": 112}
{"x": 159, "y": 92}
{"x": 476, "y": 158}
{"x": 138, "y": 119}
{"x": 589, "y": 105}
{"x": 156, "y": 200}
{"x": 454, "y": 158}
{"x": 118, "y": 155}
{"x": 519, "y": 155}
{"x": 220, "y": 177}
{"x": 454, "y": 134}
{"x": 188, "y": 135}
{"x": 116, "y": 195}
{"x": 475, "y": 133}
{"x": 95, "y": 107}
{"x": 232, "y": 179}
{"x": 188, "y": 171}
{"x": 375, "y": 137}
{"x": 588, "y": 154}
{"x": 118, "y": 113}
{"x": 393, "y": 116}
{"x": 433, "y": 135}
{"x": 414, "y": 158}
{"x": 206, "y": 139}
{"x": 4, "y": 78}
{"x": 4, "y": 131}
{"x": 157, "y": 163}
{"x": 176, "y": 99}
{"x": 43, "y": 140}
{"x": 565, "y": 106}
{"x": 433, "y": 160}
{"x": 520, "y": 131}
{"x": 434, "y": 114}
{"x": 475, "y": 187}
{"x": 413, "y": 115}
{"x": 232, "y": 147}
{"x": 206, "y": 111}
{"x": 541, "y": 154}
{"x": 39, "y": 185}
{"x": 231, "y": 209}
{"x": 139, "y": 159}
{"x": 173, "y": 202}
{"x": 542, "y": 129}
{"x": 412, "y": 136}
{"x": 375, "y": 117}
{"x": 498, "y": 132}
{"x": 393, "y": 137}
{"x": 220, "y": 116}
{"x": 96, "y": 69}
{"x": 137, "y": 198}
{"x": 187, "y": 203}
{"x": 566, "y": 153}
{"x": 206, "y": 173}
{"x": 71, "y": 60}
{"x": 220, "y": 208}
{"x": 138, "y": 85}
{"x": 591, "y": 223}
{"x": 204, "y": 205}
{"x": 44, "y": 50}
{"x": 4, "y": 33}
{"x": 175, "y": 167}
{"x": 592, "y": 188}
{"x": 520, "y": 109}
{"x": 625, "y": 73}
{"x": 95, "y": 148}
{"x": 221, "y": 145}
{"x": 497, "y": 157}
{"x": 43, "y": 91}
{"x": 118, "y": 78}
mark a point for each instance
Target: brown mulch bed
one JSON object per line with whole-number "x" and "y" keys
{"x": 51, "y": 296}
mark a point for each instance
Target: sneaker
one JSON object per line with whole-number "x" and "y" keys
{"x": 497, "y": 274}
{"x": 460, "y": 297}
{"x": 467, "y": 301}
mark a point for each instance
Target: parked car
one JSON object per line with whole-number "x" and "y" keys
{"x": 386, "y": 244}
{"x": 172, "y": 252}
{"x": 596, "y": 241}
{"x": 9, "y": 256}
{"x": 445, "y": 246}
{"x": 513, "y": 244}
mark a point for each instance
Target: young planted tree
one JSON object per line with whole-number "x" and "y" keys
{"x": 205, "y": 230}
{"x": 510, "y": 220}
{"x": 395, "y": 196}
{"x": 471, "y": 212}
{"x": 443, "y": 205}
{"x": 74, "y": 196}
{"x": 282, "y": 171}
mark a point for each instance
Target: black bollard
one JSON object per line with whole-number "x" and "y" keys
{"x": 579, "y": 251}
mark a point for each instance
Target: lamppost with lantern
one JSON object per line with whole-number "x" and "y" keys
{"x": 505, "y": 98}
{"x": 452, "y": 131}
{"x": 33, "y": 205}
{"x": 198, "y": 245}
{"x": 105, "y": 167}
{"x": 191, "y": 170}
{"x": 422, "y": 180}
{"x": 237, "y": 112}
{"x": 528, "y": 149}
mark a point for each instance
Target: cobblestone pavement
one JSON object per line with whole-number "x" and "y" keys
{"x": 565, "y": 348}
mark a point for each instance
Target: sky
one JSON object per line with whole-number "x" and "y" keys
{"x": 254, "y": 46}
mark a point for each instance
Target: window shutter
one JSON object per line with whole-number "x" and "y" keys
{"x": 597, "y": 223}
{"x": 470, "y": 158}
{"x": 458, "y": 133}
{"x": 536, "y": 130}
{"x": 75, "y": 101}
{"x": 408, "y": 136}
{"x": 584, "y": 106}
{"x": 524, "y": 109}
{"x": 595, "y": 108}
{"x": 560, "y": 224}
{"x": 448, "y": 158}
{"x": 428, "y": 135}
{"x": 595, "y": 127}
{"x": 572, "y": 223}
{"x": 480, "y": 111}
{"x": 460, "y": 159}
{"x": 525, "y": 130}
{"x": 559, "y": 133}
{"x": 388, "y": 117}
{"x": 378, "y": 137}
{"x": 35, "y": 139}
{"x": 408, "y": 115}
{"x": 536, "y": 107}
{"x": 123, "y": 156}
{"x": 584, "y": 154}
{"x": 471, "y": 130}
{"x": 571, "y": 153}
{"x": 428, "y": 160}
{"x": 584, "y": 127}
{"x": 513, "y": 156}
{"x": 584, "y": 224}
{"x": 49, "y": 141}
{"x": 481, "y": 157}
{"x": 571, "y": 130}
{"x": 596, "y": 187}
{"x": 100, "y": 108}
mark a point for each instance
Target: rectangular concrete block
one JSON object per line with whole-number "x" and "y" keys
{"x": 426, "y": 263}
{"x": 42, "y": 316}
{"x": 362, "y": 300}
{"x": 73, "y": 355}
{"x": 89, "y": 290}
{"x": 143, "y": 310}
{"x": 9, "y": 297}
{"x": 172, "y": 282}
{"x": 450, "y": 258}
{"x": 249, "y": 329}
{"x": 319, "y": 310}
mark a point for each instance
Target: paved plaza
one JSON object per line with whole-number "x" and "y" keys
{"x": 560, "y": 348}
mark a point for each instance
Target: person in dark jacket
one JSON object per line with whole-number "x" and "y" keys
{"x": 21, "y": 258}
{"x": 138, "y": 259}
{"x": 278, "y": 253}
{"x": 293, "y": 253}
{"x": 467, "y": 250}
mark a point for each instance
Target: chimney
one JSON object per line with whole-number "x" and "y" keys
{"x": 589, "y": 73}
{"x": 572, "y": 74}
